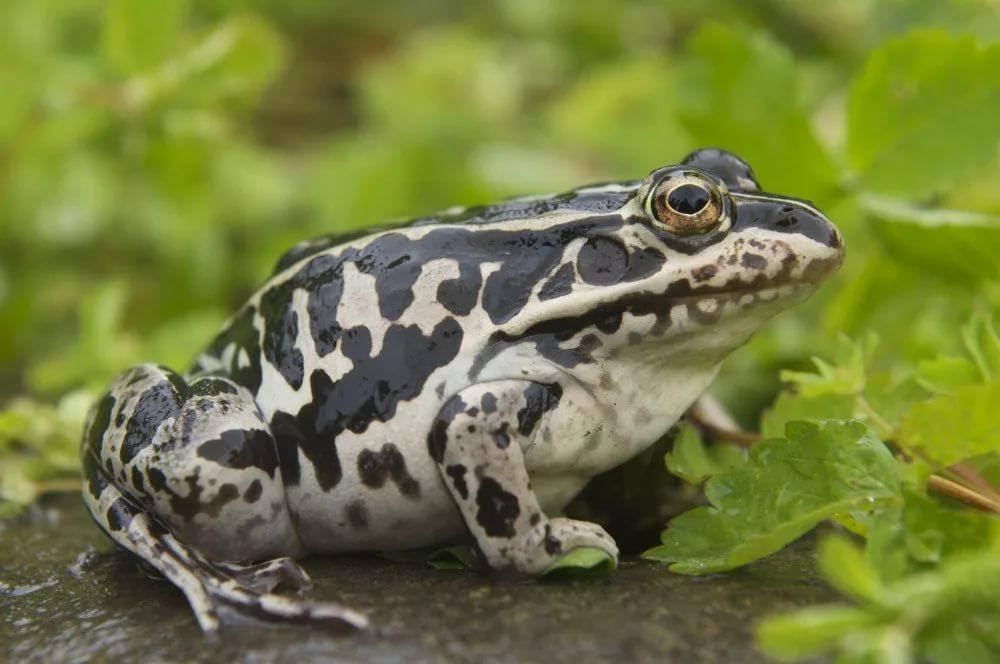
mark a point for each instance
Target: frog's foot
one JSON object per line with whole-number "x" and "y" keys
{"x": 214, "y": 590}
{"x": 477, "y": 442}
{"x": 548, "y": 542}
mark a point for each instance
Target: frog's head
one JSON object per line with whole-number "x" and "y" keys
{"x": 703, "y": 258}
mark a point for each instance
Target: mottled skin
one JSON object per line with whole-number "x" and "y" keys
{"x": 468, "y": 372}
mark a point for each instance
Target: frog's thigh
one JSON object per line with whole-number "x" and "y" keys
{"x": 201, "y": 458}
{"x": 157, "y": 450}
{"x": 477, "y": 441}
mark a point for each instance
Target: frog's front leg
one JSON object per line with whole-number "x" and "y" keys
{"x": 477, "y": 442}
{"x": 186, "y": 476}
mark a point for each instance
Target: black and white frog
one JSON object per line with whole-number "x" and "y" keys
{"x": 465, "y": 373}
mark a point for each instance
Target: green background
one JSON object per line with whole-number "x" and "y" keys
{"x": 157, "y": 157}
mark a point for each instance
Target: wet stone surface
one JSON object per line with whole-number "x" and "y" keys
{"x": 66, "y": 595}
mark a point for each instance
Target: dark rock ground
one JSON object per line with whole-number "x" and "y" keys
{"x": 67, "y": 596}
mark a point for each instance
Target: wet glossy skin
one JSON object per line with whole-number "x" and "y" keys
{"x": 466, "y": 373}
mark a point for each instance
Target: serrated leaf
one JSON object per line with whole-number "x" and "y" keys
{"x": 923, "y": 533}
{"x": 694, "y": 461}
{"x": 788, "y": 486}
{"x": 954, "y": 427}
{"x": 846, "y": 375}
{"x": 790, "y": 406}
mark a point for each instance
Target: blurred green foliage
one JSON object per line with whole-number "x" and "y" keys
{"x": 157, "y": 157}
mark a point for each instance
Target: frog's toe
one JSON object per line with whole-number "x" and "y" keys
{"x": 278, "y": 574}
{"x": 559, "y": 539}
{"x": 243, "y": 592}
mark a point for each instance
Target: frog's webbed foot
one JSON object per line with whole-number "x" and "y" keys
{"x": 214, "y": 590}
{"x": 477, "y": 442}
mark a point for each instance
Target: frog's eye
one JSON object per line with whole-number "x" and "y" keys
{"x": 687, "y": 204}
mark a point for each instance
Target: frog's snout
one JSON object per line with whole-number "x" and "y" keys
{"x": 825, "y": 243}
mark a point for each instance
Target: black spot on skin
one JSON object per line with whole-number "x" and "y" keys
{"x": 388, "y": 463}
{"x": 551, "y": 543}
{"x": 188, "y": 505}
{"x": 559, "y": 284}
{"x": 501, "y": 437}
{"x": 489, "y": 402}
{"x": 241, "y": 448}
{"x": 357, "y": 514}
{"x": 753, "y": 261}
{"x": 536, "y": 518}
{"x": 157, "y": 480}
{"x": 244, "y": 335}
{"x": 281, "y": 333}
{"x": 96, "y": 480}
{"x": 137, "y": 482}
{"x": 253, "y": 492}
{"x": 787, "y": 216}
{"x": 370, "y": 391}
{"x": 437, "y": 440}
{"x": 119, "y": 515}
{"x": 99, "y": 424}
{"x": 602, "y": 261}
{"x": 159, "y": 402}
{"x": 460, "y": 295}
{"x": 705, "y": 273}
{"x": 644, "y": 262}
{"x": 457, "y": 475}
{"x": 498, "y": 509}
{"x": 539, "y": 399}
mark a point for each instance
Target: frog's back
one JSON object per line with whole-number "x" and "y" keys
{"x": 354, "y": 344}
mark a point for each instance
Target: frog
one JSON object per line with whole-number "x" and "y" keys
{"x": 459, "y": 376}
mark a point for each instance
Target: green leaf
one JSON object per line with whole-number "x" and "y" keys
{"x": 846, "y": 375}
{"x": 452, "y": 558}
{"x": 622, "y": 111}
{"x": 790, "y": 485}
{"x": 946, "y": 244}
{"x": 923, "y": 113}
{"x": 140, "y": 34}
{"x": 943, "y": 374}
{"x": 954, "y": 427}
{"x": 582, "y": 561}
{"x": 694, "y": 461}
{"x": 790, "y": 406}
{"x": 844, "y": 565}
{"x": 923, "y": 533}
{"x": 983, "y": 344}
{"x": 809, "y": 632}
{"x": 738, "y": 90}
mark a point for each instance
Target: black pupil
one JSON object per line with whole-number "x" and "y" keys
{"x": 688, "y": 199}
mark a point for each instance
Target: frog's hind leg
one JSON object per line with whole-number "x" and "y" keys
{"x": 152, "y": 436}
